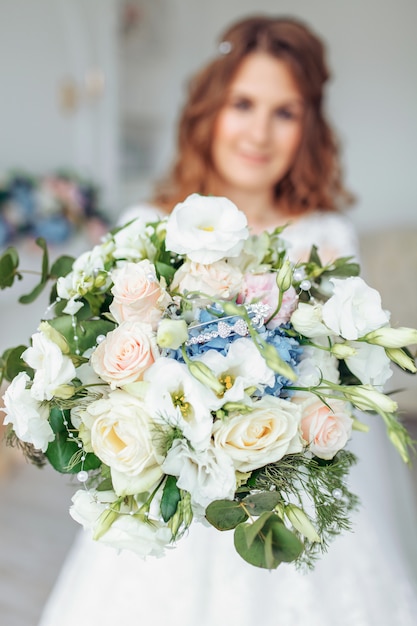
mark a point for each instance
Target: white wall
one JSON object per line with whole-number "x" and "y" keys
{"x": 42, "y": 44}
{"x": 372, "y": 97}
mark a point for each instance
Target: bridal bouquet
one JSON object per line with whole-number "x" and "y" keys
{"x": 186, "y": 369}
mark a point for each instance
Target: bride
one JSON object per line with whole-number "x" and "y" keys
{"x": 253, "y": 130}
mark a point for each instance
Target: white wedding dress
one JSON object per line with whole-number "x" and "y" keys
{"x": 367, "y": 578}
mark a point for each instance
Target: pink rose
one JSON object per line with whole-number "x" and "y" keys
{"x": 125, "y": 354}
{"x": 138, "y": 295}
{"x": 326, "y": 429}
{"x": 263, "y": 288}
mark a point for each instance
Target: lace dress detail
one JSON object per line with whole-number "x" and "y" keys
{"x": 367, "y": 578}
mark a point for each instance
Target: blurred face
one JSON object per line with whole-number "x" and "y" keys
{"x": 258, "y": 130}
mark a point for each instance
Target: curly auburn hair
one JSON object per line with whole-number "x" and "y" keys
{"x": 314, "y": 180}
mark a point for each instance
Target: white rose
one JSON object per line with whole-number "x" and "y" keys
{"x": 325, "y": 427}
{"x": 122, "y": 435}
{"x": 125, "y": 354}
{"x": 206, "y": 229}
{"x": 126, "y": 532}
{"x": 137, "y": 294}
{"x": 218, "y": 280}
{"x": 262, "y": 436}
{"x": 354, "y": 309}
{"x": 181, "y": 400}
{"x": 207, "y": 475}
{"x": 308, "y": 321}
{"x": 28, "y": 417}
{"x": 370, "y": 364}
{"x": 52, "y": 368}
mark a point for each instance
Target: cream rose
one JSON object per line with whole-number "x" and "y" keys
{"x": 122, "y": 437}
{"x": 125, "y": 354}
{"x": 218, "y": 280}
{"x": 138, "y": 295}
{"x": 326, "y": 429}
{"x": 262, "y": 436}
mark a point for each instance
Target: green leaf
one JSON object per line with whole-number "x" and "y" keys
{"x": 225, "y": 514}
{"x": 165, "y": 270}
{"x": 9, "y": 262}
{"x": 87, "y": 331}
{"x": 257, "y": 503}
{"x": 13, "y": 363}
{"x": 30, "y": 297}
{"x": 56, "y": 419}
{"x": 267, "y": 542}
{"x": 61, "y": 451}
{"x": 171, "y": 496}
{"x": 62, "y": 266}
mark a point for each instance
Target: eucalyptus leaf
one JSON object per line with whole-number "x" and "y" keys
{"x": 9, "y": 262}
{"x": 62, "y": 266}
{"x": 270, "y": 545}
{"x": 13, "y": 363}
{"x": 225, "y": 514}
{"x": 257, "y": 503}
{"x": 30, "y": 297}
{"x": 171, "y": 496}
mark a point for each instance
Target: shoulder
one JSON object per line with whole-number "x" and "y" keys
{"x": 143, "y": 210}
{"x": 332, "y": 232}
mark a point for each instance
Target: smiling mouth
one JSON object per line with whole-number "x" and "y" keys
{"x": 254, "y": 158}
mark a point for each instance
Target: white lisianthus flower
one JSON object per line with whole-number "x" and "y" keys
{"x": 241, "y": 368}
{"x": 265, "y": 435}
{"x": 132, "y": 241}
{"x": 206, "y": 229}
{"x": 125, "y": 354}
{"x": 122, "y": 436}
{"x": 207, "y": 475}
{"x": 392, "y": 337}
{"x": 326, "y": 428}
{"x": 315, "y": 365}
{"x": 28, "y": 417}
{"x": 137, "y": 294}
{"x": 180, "y": 400}
{"x": 52, "y": 368}
{"x": 126, "y": 532}
{"x": 354, "y": 309}
{"x": 171, "y": 333}
{"x": 370, "y": 364}
{"x": 307, "y": 320}
{"x": 88, "y": 272}
{"x": 218, "y": 280}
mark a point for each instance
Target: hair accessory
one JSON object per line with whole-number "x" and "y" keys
{"x": 225, "y": 47}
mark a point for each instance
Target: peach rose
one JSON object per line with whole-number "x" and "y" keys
{"x": 326, "y": 429}
{"x": 138, "y": 295}
{"x": 263, "y": 288}
{"x": 125, "y": 354}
